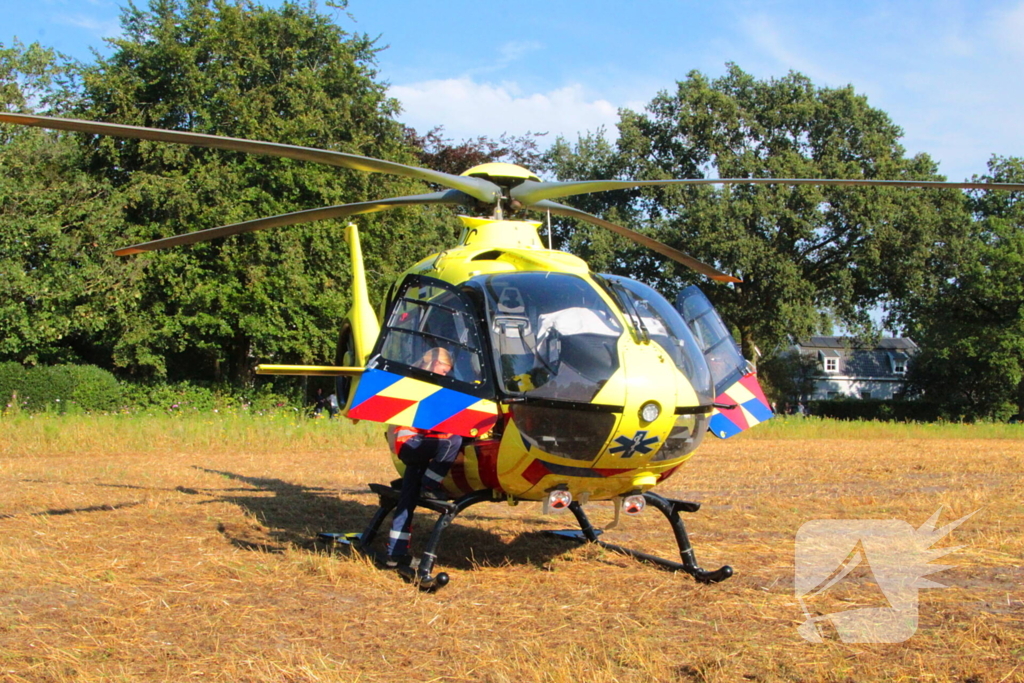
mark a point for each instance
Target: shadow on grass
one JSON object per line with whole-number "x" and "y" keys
{"x": 73, "y": 511}
{"x": 295, "y": 513}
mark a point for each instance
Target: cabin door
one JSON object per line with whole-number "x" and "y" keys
{"x": 428, "y": 368}
{"x": 735, "y": 379}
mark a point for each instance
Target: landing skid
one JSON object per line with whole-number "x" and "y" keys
{"x": 671, "y": 509}
{"x": 420, "y": 571}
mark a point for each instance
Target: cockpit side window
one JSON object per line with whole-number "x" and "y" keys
{"x": 429, "y": 320}
{"x": 723, "y": 354}
{"x": 662, "y": 324}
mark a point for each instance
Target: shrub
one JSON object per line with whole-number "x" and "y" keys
{"x": 60, "y": 387}
{"x": 12, "y": 381}
{"x": 94, "y": 388}
{"x": 893, "y": 410}
{"x": 185, "y": 397}
{"x": 63, "y": 388}
{"x": 178, "y": 397}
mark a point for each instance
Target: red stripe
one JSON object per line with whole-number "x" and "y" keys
{"x": 458, "y": 473}
{"x": 535, "y": 472}
{"x": 379, "y": 408}
{"x": 464, "y": 421}
{"x": 667, "y": 473}
{"x": 487, "y": 463}
{"x": 734, "y": 415}
{"x": 609, "y": 472}
{"x": 752, "y": 385}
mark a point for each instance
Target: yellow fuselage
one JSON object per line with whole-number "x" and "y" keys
{"x": 645, "y": 374}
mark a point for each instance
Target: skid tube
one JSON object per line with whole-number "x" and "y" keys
{"x": 419, "y": 571}
{"x": 671, "y": 509}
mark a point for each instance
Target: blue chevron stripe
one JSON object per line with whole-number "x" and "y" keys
{"x": 723, "y": 427}
{"x": 758, "y": 410}
{"x": 371, "y": 383}
{"x": 440, "y": 406}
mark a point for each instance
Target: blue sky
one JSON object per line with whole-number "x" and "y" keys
{"x": 949, "y": 72}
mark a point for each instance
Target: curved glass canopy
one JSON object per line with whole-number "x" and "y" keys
{"x": 657, "y": 320}
{"x": 552, "y": 335}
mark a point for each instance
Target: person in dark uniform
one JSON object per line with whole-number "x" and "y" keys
{"x": 427, "y": 457}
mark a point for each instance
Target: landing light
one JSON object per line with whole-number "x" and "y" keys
{"x": 634, "y": 505}
{"x": 650, "y": 411}
{"x": 559, "y": 500}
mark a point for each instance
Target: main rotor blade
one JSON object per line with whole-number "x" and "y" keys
{"x": 296, "y": 217}
{"x": 531, "y": 191}
{"x": 654, "y": 245}
{"x": 478, "y": 188}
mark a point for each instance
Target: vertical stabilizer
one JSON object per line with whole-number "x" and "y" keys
{"x": 361, "y": 318}
{"x": 360, "y": 329}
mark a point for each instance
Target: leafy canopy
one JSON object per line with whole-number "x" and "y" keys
{"x": 286, "y": 75}
{"x": 969, "y": 319}
{"x": 808, "y": 255}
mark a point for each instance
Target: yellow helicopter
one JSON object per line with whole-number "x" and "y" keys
{"x": 569, "y": 386}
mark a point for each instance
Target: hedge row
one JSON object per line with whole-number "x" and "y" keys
{"x": 63, "y": 388}
{"x": 893, "y": 410}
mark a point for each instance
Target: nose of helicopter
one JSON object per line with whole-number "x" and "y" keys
{"x": 601, "y": 450}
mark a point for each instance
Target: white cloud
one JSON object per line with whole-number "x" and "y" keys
{"x": 516, "y": 49}
{"x": 467, "y": 108}
{"x": 508, "y": 54}
{"x": 101, "y": 28}
{"x": 765, "y": 35}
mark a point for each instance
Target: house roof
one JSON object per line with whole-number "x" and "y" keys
{"x": 868, "y": 364}
{"x": 878, "y": 361}
{"x": 884, "y": 344}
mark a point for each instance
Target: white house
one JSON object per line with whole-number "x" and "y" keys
{"x": 845, "y": 370}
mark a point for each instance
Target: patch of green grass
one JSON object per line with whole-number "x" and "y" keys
{"x": 794, "y": 427}
{"x": 51, "y": 434}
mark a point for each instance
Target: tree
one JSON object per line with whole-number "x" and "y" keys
{"x": 235, "y": 68}
{"x": 440, "y": 153}
{"x": 808, "y": 255}
{"x": 969, "y": 319}
{"x": 58, "y": 276}
{"x": 787, "y": 376}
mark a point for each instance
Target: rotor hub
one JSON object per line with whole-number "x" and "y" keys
{"x": 505, "y": 175}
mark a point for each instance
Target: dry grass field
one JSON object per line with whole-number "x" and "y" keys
{"x": 160, "y": 549}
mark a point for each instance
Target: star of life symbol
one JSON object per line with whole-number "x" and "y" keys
{"x": 889, "y": 555}
{"x": 638, "y": 444}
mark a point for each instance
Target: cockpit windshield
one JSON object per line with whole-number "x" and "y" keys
{"x": 552, "y": 334}
{"x": 662, "y": 324}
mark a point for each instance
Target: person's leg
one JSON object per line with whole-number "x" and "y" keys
{"x": 401, "y": 521}
{"x": 441, "y": 462}
{"x": 415, "y": 457}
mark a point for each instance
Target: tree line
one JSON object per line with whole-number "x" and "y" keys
{"x": 943, "y": 265}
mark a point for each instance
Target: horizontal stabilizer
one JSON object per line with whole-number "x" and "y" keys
{"x": 309, "y": 370}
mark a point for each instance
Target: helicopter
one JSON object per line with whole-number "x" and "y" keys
{"x": 568, "y": 386}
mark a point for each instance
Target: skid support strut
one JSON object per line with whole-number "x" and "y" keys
{"x": 671, "y": 509}
{"x": 419, "y": 571}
